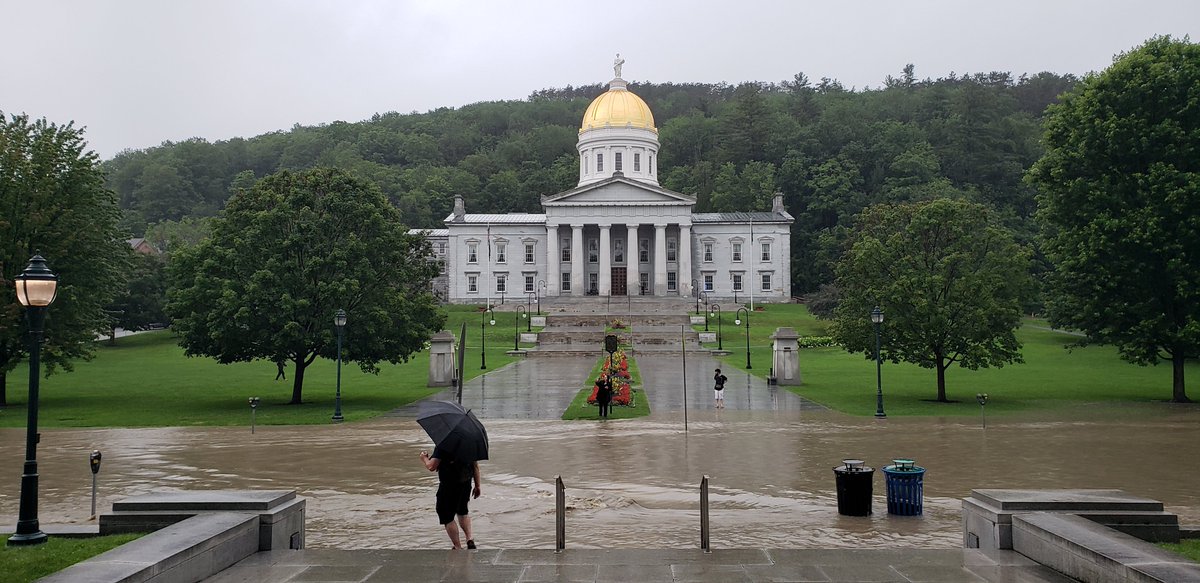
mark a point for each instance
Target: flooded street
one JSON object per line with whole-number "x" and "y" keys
{"x": 631, "y": 483}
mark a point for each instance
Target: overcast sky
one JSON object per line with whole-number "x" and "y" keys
{"x": 138, "y": 72}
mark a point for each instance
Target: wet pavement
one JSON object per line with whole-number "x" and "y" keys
{"x": 631, "y": 484}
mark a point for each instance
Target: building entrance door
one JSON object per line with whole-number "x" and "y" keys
{"x": 619, "y": 287}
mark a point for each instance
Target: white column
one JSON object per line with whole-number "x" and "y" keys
{"x": 577, "y": 261}
{"x": 605, "y": 261}
{"x": 632, "y": 281}
{"x": 553, "y": 262}
{"x": 660, "y": 260}
{"x": 684, "y": 277}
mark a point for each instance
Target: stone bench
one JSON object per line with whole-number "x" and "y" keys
{"x": 1089, "y": 551}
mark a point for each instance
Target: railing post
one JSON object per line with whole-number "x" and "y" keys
{"x": 560, "y": 515}
{"x": 704, "y": 515}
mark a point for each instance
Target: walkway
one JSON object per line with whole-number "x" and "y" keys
{"x": 674, "y": 565}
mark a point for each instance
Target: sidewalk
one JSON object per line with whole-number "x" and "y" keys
{"x": 674, "y": 565}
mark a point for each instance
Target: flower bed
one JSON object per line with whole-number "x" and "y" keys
{"x": 619, "y": 373}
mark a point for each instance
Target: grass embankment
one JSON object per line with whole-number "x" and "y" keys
{"x": 25, "y": 564}
{"x": 146, "y": 381}
{"x": 1051, "y": 377}
{"x": 1189, "y": 548}
{"x": 580, "y": 409}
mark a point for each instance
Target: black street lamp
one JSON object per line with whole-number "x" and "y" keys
{"x": 696, "y": 290}
{"x": 524, "y": 313}
{"x": 529, "y": 297}
{"x": 483, "y": 336}
{"x": 37, "y": 287}
{"x": 877, "y": 319}
{"x": 540, "y": 291}
{"x": 339, "y": 324}
{"x": 704, "y": 296}
{"x": 717, "y": 308}
{"x": 737, "y": 321}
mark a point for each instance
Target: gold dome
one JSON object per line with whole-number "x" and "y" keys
{"x": 618, "y": 108}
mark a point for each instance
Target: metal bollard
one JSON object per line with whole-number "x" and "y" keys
{"x": 560, "y": 515}
{"x": 94, "y": 462}
{"x": 704, "y": 527}
{"x": 253, "y": 411}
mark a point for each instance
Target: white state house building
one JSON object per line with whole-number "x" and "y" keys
{"x": 618, "y": 232}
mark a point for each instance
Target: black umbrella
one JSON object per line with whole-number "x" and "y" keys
{"x": 455, "y": 431}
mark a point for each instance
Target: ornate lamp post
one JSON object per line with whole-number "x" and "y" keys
{"x": 529, "y": 297}
{"x": 717, "y": 308}
{"x": 483, "y": 336}
{"x": 704, "y": 296}
{"x": 696, "y": 290}
{"x": 877, "y": 319}
{"x": 539, "y": 291}
{"x": 737, "y": 321}
{"x": 37, "y": 287}
{"x": 339, "y": 324}
{"x": 524, "y": 313}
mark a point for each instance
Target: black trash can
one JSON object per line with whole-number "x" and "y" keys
{"x": 905, "y": 483}
{"x": 854, "y": 488}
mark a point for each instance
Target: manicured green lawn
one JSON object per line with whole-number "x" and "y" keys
{"x": 580, "y": 409}
{"x": 145, "y": 380}
{"x": 25, "y": 564}
{"x": 1189, "y": 548}
{"x": 1051, "y": 376}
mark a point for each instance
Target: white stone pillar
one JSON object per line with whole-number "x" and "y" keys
{"x": 577, "y": 261}
{"x": 605, "y": 261}
{"x": 632, "y": 281}
{"x": 553, "y": 262}
{"x": 660, "y": 260}
{"x": 684, "y": 277}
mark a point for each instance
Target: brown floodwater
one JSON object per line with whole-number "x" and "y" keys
{"x": 632, "y": 483}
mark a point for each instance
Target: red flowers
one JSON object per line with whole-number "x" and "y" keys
{"x": 619, "y": 373}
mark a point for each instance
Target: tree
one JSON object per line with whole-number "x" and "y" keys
{"x": 53, "y": 201}
{"x": 950, "y": 282}
{"x": 141, "y": 303}
{"x": 285, "y": 256}
{"x": 1120, "y": 187}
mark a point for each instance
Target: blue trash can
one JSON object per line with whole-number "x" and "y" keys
{"x": 905, "y": 487}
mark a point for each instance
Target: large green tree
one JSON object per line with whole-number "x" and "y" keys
{"x": 284, "y": 256}
{"x": 53, "y": 201}
{"x": 1120, "y": 206}
{"x": 949, "y": 279}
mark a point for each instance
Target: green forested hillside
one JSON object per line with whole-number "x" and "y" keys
{"x": 830, "y": 150}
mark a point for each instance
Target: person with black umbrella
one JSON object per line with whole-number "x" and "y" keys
{"x": 460, "y": 442}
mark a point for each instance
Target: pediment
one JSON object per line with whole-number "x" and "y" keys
{"x": 618, "y": 191}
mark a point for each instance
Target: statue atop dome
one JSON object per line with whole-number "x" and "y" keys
{"x": 617, "y": 66}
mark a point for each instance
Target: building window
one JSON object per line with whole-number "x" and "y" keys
{"x": 644, "y": 282}
{"x": 766, "y": 282}
{"x": 708, "y": 252}
{"x": 644, "y": 250}
{"x": 500, "y": 255}
{"x": 672, "y": 279}
{"x": 586, "y": 166}
{"x": 650, "y": 163}
{"x": 617, "y": 161}
{"x": 566, "y": 282}
{"x": 672, "y": 246}
{"x": 594, "y": 284}
{"x": 637, "y": 162}
{"x": 441, "y": 248}
{"x": 442, "y": 266}
{"x": 618, "y": 251}
{"x": 708, "y": 282}
{"x": 766, "y": 252}
{"x": 599, "y": 162}
{"x": 472, "y": 252}
{"x": 593, "y": 251}
{"x": 528, "y": 283}
{"x": 737, "y": 282}
{"x": 737, "y": 251}
{"x": 501, "y": 284}
{"x": 472, "y": 284}
{"x": 529, "y": 253}
{"x": 566, "y": 250}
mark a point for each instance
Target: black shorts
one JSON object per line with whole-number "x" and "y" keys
{"x": 452, "y": 500}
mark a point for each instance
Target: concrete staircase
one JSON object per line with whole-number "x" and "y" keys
{"x": 577, "y": 326}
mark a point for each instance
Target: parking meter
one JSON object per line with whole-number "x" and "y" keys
{"x": 94, "y": 462}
